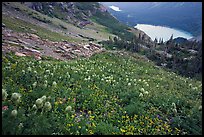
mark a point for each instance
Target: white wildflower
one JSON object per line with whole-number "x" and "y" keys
{"x": 39, "y": 103}
{"x": 43, "y": 98}
{"x": 23, "y": 71}
{"x": 141, "y": 95}
{"x": 47, "y": 106}
{"x": 146, "y": 92}
{"x": 4, "y": 94}
{"x": 14, "y": 113}
{"x": 49, "y": 98}
{"x": 34, "y": 84}
{"x": 68, "y": 108}
{"x": 175, "y": 111}
{"x": 47, "y": 71}
{"x": 54, "y": 84}
{"x": 15, "y": 97}
{"x": 200, "y": 108}
{"x": 20, "y": 125}
{"x": 174, "y": 105}
{"x": 34, "y": 107}
{"x": 142, "y": 89}
{"x": 29, "y": 69}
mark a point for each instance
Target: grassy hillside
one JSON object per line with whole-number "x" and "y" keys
{"x": 27, "y": 20}
{"x": 109, "y": 93}
{"x": 113, "y": 25}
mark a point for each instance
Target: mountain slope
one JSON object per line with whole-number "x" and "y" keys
{"x": 56, "y": 79}
{"x": 21, "y": 12}
{"x": 110, "y": 93}
{"x": 96, "y": 25}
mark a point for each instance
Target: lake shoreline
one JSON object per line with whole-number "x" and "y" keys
{"x": 163, "y": 32}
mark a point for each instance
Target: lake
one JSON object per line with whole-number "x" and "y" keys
{"x": 162, "y": 32}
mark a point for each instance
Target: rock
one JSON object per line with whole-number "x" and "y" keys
{"x": 192, "y": 51}
{"x": 58, "y": 51}
{"x": 23, "y": 41}
{"x": 3, "y": 25}
{"x": 8, "y": 34}
{"x": 34, "y": 36}
{"x": 86, "y": 47}
{"x": 163, "y": 64}
{"x": 20, "y": 54}
{"x": 32, "y": 50}
{"x": 168, "y": 55}
{"x": 11, "y": 42}
{"x": 38, "y": 57}
{"x": 22, "y": 27}
{"x": 33, "y": 30}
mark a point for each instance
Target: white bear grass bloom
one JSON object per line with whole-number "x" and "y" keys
{"x": 23, "y": 71}
{"x": 174, "y": 105}
{"x": 34, "y": 84}
{"x": 54, "y": 84}
{"x": 68, "y": 108}
{"x": 14, "y": 113}
{"x": 34, "y": 107}
{"x": 45, "y": 83}
{"x": 47, "y": 106}
{"x": 200, "y": 108}
{"x": 175, "y": 111}
{"x": 4, "y": 94}
{"x": 141, "y": 95}
{"x": 142, "y": 89}
{"x": 43, "y": 98}
{"x": 39, "y": 103}
{"x": 29, "y": 69}
{"x": 146, "y": 92}
{"x": 15, "y": 97}
{"x": 47, "y": 71}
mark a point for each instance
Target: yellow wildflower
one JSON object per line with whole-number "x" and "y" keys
{"x": 91, "y": 132}
{"x": 122, "y": 130}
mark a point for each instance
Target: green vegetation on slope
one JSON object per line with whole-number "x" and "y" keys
{"x": 113, "y": 25}
{"x": 105, "y": 94}
{"x": 22, "y": 26}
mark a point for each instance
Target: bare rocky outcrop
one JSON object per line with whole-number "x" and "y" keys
{"x": 27, "y": 44}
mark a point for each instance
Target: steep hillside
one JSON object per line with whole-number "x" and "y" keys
{"x": 72, "y": 12}
{"x": 84, "y": 22}
{"x": 82, "y": 14}
{"x": 59, "y": 79}
{"x": 110, "y": 93}
{"x": 20, "y": 12}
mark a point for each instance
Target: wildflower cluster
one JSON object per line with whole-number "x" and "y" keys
{"x": 105, "y": 94}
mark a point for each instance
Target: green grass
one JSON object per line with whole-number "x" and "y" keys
{"x": 54, "y": 22}
{"x": 22, "y": 26}
{"x": 113, "y": 26}
{"x": 104, "y": 92}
